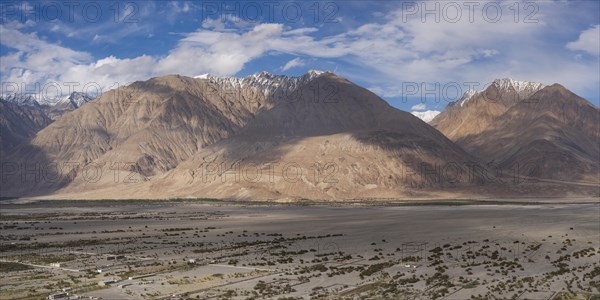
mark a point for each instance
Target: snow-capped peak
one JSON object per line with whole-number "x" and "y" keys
{"x": 264, "y": 81}
{"x": 263, "y": 74}
{"x": 20, "y": 99}
{"x": 76, "y": 99}
{"x": 426, "y": 116}
{"x": 315, "y": 72}
{"x": 467, "y": 96}
{"x": 523, "y": 89}
{"x": 518, "y": 86}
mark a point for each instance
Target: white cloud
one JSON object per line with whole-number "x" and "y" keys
{"x": 177, "y": 8}
{"x": 300, "y": 31}
{"x": 35, "y": 60}
{"x": 226, "y": 22}
{"x": 202, "y": 51}
{"x": 107, "y": 32}
{"x": 221, "y": 53}
{"x": 420, "y": 106}
{"x": 110, "y": 72}
{"x": 296, "y": 62}
{"x": 468, "y": 51}
{"x": 588, "y": 41}
{"x": 385, "y": 53}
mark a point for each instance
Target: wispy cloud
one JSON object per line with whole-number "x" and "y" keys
{"x": 420, "y": 106}
{"x": 296, "y": 62}
{"x": 588, "y": 41}
{"x": 384, "y": 52}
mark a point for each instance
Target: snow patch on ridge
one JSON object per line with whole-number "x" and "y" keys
{"x": 523, "y": 88}
{"x": 76, "y": 99}
{"x": 264, "y": 81}
{"x": 426, "y": 116}
{"x": 20, "y": 99}
{"x": 467, "y": 96}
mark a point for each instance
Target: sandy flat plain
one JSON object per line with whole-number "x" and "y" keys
{"x": 208, "y": 250}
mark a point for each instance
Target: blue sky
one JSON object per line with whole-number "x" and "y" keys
{"x": 389, "y": 47}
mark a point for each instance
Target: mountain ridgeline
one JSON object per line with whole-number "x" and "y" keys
{"x": 547, "y": 131}
{"x": 22, "y": 116}
{"x": 273, "y": 137}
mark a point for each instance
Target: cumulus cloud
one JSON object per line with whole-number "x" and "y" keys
{"x": 420, "y": 106}
{"x": 109, "y": 72}
{"x": 33, "y": 60}
{"x": 203, "y": 51}
{"x": 296, "y": 62}
{"x": 478, "y": 50}
{"x": 221, "y": 53}
{"x": 588, "y": 41}
{"x": 389, "y": 51}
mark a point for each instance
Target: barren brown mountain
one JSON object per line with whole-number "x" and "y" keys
{"x": 318, "y": 136}
{"x": 476, "y": 111}
{"x": 546, "y": 132}
{"x": 18, "y": 123}
{"x": 352, "y": 145}
{"x": 21, "y": 116}
{"x": 148, "y": 126}
{"x": 150, "y": 139}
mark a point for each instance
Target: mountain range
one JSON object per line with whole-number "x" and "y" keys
{"x": 22, "y": 116}
{"x": 316, "y": 136}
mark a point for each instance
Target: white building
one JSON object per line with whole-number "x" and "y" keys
{"x": 58, "y": 296}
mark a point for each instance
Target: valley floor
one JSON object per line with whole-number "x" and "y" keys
{"x": 215, "y": 250}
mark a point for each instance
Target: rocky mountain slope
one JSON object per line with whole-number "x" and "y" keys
{"x": 19, "y": 123}
{"x": 60, "y": 106}
{"x": 150, "y": 139}
{"x": 352, "y": 145}
{"x": 73, "y": 100}
{"x": 539, "y": 131}
{"x": 475, "y": 111}
{"x": 22, "y": 116}
{"x": 316, "y": 136}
